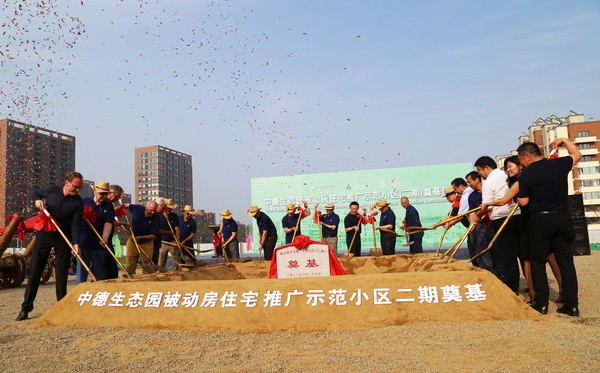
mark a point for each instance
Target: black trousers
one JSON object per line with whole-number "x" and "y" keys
{"x": 481, "y": 237}
{"x": 111, "y": 269}
{"x": 504, "y": 252}
{"x": 356, "y": 247}
{"x": 552, "y": 231}
{"x": 388, "y": 243}
{"x": 417, "y": 244}
{"x": 44, "y": 242}
{"x": 269, "y": 246}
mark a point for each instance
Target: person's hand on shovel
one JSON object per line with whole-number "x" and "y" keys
{"x": 76, "y": 250}
{"x": 40, "y": 204}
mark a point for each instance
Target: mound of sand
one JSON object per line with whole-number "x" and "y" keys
{"x": 237, "y": 298}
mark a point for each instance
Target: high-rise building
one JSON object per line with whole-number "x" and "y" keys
{"x": 30, "y": 157}
{"x": 584, "y": 179}
{"x": 163, "y": 172}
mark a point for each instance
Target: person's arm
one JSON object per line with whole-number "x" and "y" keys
{"x": 220, "y": 231}
{"x": 571, "y": 148}
{"x": 509, "y": 196}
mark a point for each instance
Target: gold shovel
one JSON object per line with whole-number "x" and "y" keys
{"x": 348, "y": 255}
{"x": 375, "y": 251}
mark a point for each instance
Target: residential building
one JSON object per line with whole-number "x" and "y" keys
{"x": 163, "y": 172}
{"x": 585, "y": 177}
{"x": 30, "y": 157}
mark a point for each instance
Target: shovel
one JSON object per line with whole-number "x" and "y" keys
{"x": 493, "y": 240}
{"x": 443, "y": 235}
{"x": 348, "y": 255}
{"x": 106, "y": 247}
{"x": 147, "y": 264}
{"x": 375, "y": 251}
{"x": 70, "y": 245}
{"x": 443, "y": 221}
{"x": 454, "y": 248}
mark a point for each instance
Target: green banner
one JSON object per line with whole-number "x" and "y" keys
{"x": 423, "y": 185}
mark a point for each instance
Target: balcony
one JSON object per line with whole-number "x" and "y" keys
{"x": 581, "y": 140}
{"x": 593, "y": 151}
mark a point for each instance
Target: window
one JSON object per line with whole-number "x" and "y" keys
{"x": 590, "y": 183}
{"x": 591, "y": 195}
{"x": 583, "y": 133}
{"x": 588, "y": 170}
{"x": 585, "y": 145}
{"x": 588, "y": 158}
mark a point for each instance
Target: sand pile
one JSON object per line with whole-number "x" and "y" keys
{"x": 235, "y": 297}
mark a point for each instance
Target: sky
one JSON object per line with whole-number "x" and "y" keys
{"x": 274, "y": 88}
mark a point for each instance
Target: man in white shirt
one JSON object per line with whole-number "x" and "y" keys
{"x": 506, "y": 247}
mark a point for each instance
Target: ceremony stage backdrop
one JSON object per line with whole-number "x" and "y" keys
{"x": 423, "y": 185}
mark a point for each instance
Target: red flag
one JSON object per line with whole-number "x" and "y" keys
{"x": 89, "y": 214}
{"x": 120, "y": 211}
{"x": 40, "y": 222}
{"x": 303, "y": 212}
{"x": 317, "y": 216}
{"x": 456, "y": 203}
{"x": 21, "y": 229}
{"x": 371, "y": 218}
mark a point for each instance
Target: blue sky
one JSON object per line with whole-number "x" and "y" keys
{"x": 271, "y": 88}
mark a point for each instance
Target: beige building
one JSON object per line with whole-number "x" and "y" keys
{"x": 163, "y": 172}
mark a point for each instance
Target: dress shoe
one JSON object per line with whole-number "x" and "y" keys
{"x": 541, "y": 308}
{"x": 571, "y": 311}
{"x": 22, "y": 316}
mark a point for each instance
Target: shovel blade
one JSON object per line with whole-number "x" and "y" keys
{"x": 376, "y": 251}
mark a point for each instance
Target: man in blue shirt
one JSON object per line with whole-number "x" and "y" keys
{"x": 329, "y": 223}
{"x": 482, "y": 234}
{"x": 93, "y": 251}
{"x": 66, "y": 207}
{"x": 386, "y": 221}
{"x": 229, "y": 229}
{"x": 413, "y": 220}
{"x": 145, "y": 224}
{"x": 291, "y": 221}
{"x": 187, "y": 232}
{"x": 266, "y": 230}
{"x": 168, "y": 235}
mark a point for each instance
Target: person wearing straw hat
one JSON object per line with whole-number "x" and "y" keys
{"x": 291, "y": 221}
{"x": 266, "y": 230}
{"x": 168, "y": 235}
{"x": 228, "y": 230}
{"x": 66, "y": 207}
{"x": 386, "y": 221}
{"x": 330, "y": 223}
{"x": 187, "y": 231}
{"x": 412, "y": 220}
{"x": 93, "y": 251}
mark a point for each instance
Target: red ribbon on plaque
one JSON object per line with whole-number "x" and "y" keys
{"x": 300, "y": 243}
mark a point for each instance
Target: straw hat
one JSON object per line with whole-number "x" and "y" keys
{"x": 101, "y": 187}
{"x": 291, "y": 207}
{"x": 226, "y": 214}
{"x": 169, "y": 203}
{"x": 189, "y": 209}
{"x": 448, "y": 191}
{"x": 253, "y": 210}
{"x": 329, "y": 206}
{"x": 381, "y": 203}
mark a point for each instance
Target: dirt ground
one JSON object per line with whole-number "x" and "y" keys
{"x": 558, "y": 343}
